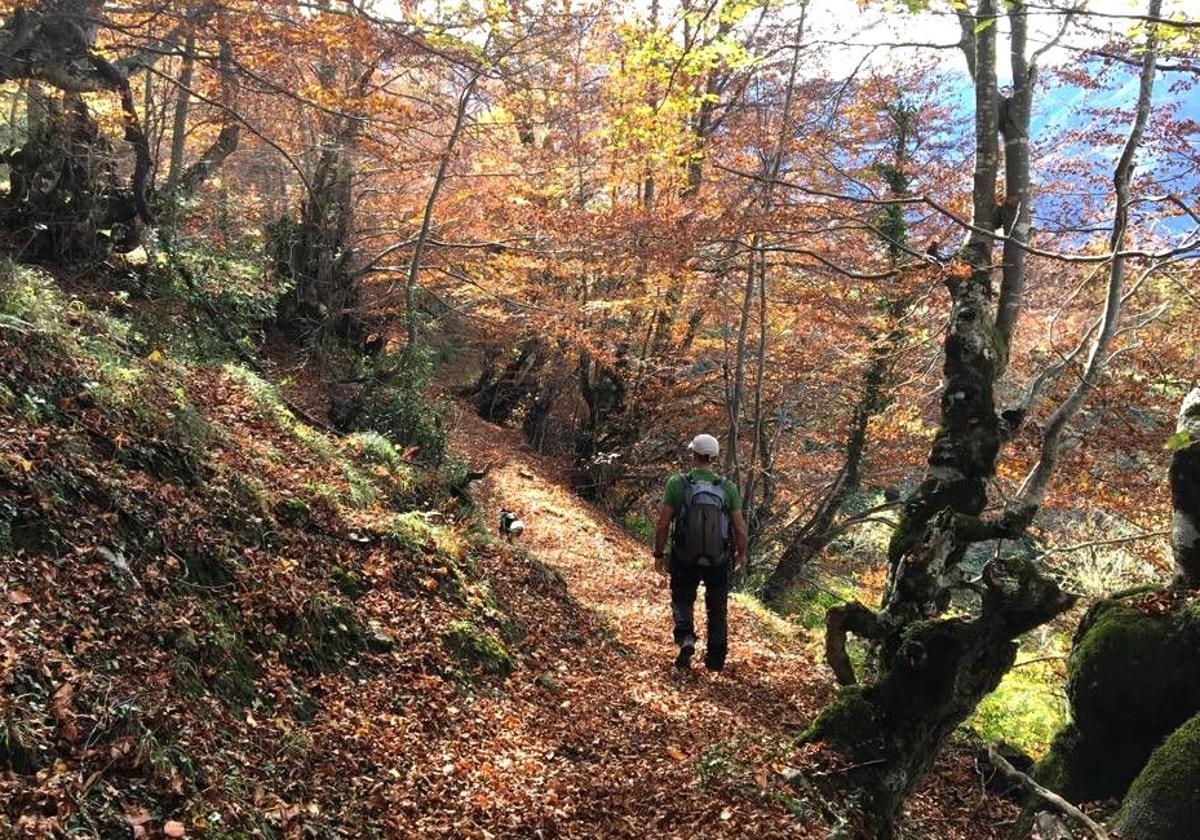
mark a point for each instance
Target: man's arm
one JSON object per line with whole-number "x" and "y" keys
{"x": 740, "y": 540}
{"x": 662, "y": 529}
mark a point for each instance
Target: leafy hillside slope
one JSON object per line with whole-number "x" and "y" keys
{"x": 217, "y": 622}
{"x": 212, "y": 614}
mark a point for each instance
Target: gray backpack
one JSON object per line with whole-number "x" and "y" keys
{"x": 702, "y": 523}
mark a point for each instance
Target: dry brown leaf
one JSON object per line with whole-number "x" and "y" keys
{"x": 60, "y": 707}
{"x": 137, "y": 816}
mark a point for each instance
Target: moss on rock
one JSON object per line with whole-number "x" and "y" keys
{"x": 478, "y": 648}
{"x": 1163, "y": 803}
{"x": 1132, "y": 679}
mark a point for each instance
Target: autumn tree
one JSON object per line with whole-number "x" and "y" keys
{"x": 932, "y": 670}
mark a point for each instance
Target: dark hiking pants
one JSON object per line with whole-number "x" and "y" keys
{"x": 685, "y": 580}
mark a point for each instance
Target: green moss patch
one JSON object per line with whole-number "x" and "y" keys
{"x": 851, "y": 711}
{"x": 1133, "y": 678}
{"x": 477, "y": 648}
{"x": 1163, "y": 803}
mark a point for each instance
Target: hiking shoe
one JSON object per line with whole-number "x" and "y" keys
{"x": 684, "y": 660}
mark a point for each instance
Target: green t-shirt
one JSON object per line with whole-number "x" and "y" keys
{"x": 673, "y": 495}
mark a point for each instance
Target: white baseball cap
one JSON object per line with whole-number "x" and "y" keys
{"x": 705, "y": 445}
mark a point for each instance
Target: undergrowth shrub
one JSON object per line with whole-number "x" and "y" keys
{"x": 401, "y": 408}
{"x": 1027, "y": 708}
{"x": 230, "y": 280}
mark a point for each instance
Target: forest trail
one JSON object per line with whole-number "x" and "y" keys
{"x": 629, "y": 748}
{"x": 652, "y": 753}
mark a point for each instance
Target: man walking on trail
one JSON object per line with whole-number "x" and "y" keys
{"x": 708, "y": 543}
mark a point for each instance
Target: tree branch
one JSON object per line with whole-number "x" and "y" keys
{"x": 1051, "y": 798}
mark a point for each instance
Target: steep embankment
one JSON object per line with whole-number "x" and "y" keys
{"x": 218, "y": 622}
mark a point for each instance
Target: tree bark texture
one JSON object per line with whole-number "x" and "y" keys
{"x": 501, "y": 395}
{"x": 65, "y": 188}
{"x": 932, "y": 674}
{"x": 315, "y": 252}
{"x": 932, "y": 671}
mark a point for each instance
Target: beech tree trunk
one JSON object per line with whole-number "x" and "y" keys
{"x": 934, "y": 671}
{"x": 64, "y": 189}
{"x": 183, "y": 98}
{"x": 316, "y": 252}
{"x": 439, "y": 178}
{"x": 499, "y": 396}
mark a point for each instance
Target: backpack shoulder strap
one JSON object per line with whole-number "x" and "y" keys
{"x": 685, "y": 496}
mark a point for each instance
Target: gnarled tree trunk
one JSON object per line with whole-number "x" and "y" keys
{"x": 315, "y": 253}
{"x": 933, "y": 672}
{"x": 65, "y": 192}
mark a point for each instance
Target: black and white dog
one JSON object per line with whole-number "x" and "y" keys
{"x": 510, "y": 524}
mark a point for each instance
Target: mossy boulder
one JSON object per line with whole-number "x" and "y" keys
{"x": 478, "y": 648}
{"x": 1133, "y": 677}
{"x": 1163, "y": 803}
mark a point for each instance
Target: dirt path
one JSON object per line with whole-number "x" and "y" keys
{"x": 651, "y": 754}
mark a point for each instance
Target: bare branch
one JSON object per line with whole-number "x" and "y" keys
{"x": 1033, "y": 489}
{"x": 1046, "y": 795}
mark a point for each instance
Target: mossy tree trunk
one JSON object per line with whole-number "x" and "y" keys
{"x": 316, "y": 252}
{"x": 64, "y": 189}
{"x": 933, "y": 672}
{"x": 952, "y": 664}
{"x": 497, "y": 397}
